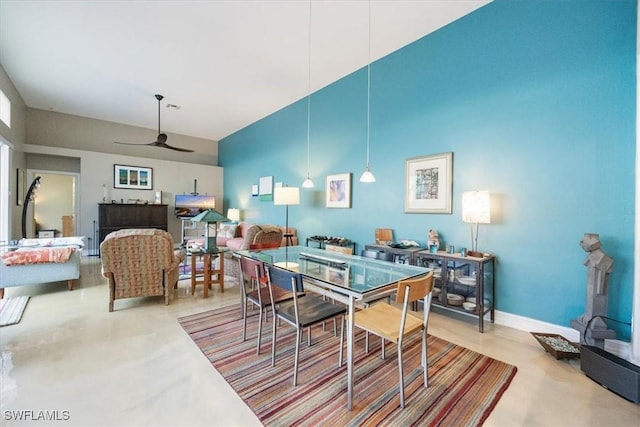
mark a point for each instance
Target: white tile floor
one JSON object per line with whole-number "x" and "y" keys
{"x": 136, "y": 366}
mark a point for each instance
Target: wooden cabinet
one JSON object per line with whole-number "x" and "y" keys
{"x": 116, "y": 216}
{"x": 462, "y": 284}
{"x": 400, "y": 255}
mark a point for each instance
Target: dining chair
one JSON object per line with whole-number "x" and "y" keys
{"x": 252, "y": 273}
{"x": 392, "y": 323}
{"x": 299, "y": 312}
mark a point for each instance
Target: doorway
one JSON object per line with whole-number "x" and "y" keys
{"x": 55, "y": 201}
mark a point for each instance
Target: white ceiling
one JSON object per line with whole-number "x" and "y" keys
{"x": 225, "y": 63}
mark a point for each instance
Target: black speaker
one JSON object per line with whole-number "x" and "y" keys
{"x": 614, "y": 373}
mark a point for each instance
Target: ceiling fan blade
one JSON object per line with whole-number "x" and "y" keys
{"x": 134, "y": 143}
{"x": 184, "y": 150}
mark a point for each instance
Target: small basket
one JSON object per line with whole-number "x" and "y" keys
{"x": 557, "y": 353}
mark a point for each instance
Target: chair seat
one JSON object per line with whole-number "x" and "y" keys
{"x": 311, "y": 310}
{"x": 383, "y": 319}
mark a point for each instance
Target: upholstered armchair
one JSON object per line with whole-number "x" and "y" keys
{"x": 138, "y": 263}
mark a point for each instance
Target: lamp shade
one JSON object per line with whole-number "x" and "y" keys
{"x": 476, "y": 207}
{"x": 233, "y": 214}
{"x": 210, "y": 216}
{"x": 286, "y": 196}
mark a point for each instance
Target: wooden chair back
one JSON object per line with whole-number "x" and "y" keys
{"x": 418, "y": 288}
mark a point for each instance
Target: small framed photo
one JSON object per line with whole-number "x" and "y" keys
{"x": 132, "y": 177}
{"x": 338, "y": 191}
{"x": 266, "y": 188}
{"x": 428, "y": 184}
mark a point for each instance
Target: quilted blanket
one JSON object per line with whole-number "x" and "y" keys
{"x": 37, "y": 256}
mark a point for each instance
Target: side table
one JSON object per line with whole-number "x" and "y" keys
{"x": 323, "y": 241}
{"x": 209, "y": 270}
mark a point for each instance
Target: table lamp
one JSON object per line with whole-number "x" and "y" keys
{"x": 286, "y": 196}
{"x": 476, "y": 209}
{"x": 210, "y": 216}
{"x": 233, "y": 214}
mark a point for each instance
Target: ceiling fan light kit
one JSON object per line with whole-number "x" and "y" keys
{"x": 161, "y": 140}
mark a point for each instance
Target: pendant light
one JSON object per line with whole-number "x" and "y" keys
{"x": 308, "y": 183}
{"x": 367, "y": 176}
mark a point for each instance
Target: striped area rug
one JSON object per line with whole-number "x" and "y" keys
{"x": 11, "y": 309}
{"x": 464, "y": 386}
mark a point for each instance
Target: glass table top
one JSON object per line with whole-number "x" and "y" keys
{"x": 353, "y": 273}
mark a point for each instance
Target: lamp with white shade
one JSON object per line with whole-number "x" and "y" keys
{"x": 233, "y": 214}
{"x": 286, "y": 196}
{"x": 476, "y": 209}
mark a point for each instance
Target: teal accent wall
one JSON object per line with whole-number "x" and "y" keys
{"x": 537, "y": 102}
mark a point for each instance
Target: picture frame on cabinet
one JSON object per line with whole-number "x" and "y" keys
{"x": 132, "y": 177}
{"x": 428, "y": 184}
{"x": 338, "y": 191}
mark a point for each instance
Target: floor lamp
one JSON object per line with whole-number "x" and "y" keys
{"x": 476, "y": 209}
{"x": 287, "y": 196}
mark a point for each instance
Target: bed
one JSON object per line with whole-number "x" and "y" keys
{"x": 27, "y": 264}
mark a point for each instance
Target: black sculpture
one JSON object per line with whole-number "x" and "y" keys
{"x": 31, "y": 195}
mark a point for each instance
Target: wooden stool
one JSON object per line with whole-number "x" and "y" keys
{"x": 208, "y": 271}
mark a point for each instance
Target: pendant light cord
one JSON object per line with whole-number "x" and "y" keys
{"x": 309, "y": 93}
{"x": 369, "y": 85}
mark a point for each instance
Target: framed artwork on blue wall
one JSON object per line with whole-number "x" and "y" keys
{"x": 338, "y": 190}
{"x": 266, "y": 188}
{"x": 428, "y": 184}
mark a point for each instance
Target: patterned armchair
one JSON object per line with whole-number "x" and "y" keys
{"x": 139, "y": 262}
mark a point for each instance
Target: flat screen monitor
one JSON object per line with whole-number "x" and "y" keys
{"x": 189, "y": 205}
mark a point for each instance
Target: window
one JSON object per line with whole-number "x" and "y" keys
{"x": 5, "y": 109}
{"x": 5, "y": 193}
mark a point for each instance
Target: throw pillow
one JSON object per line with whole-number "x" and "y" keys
{"x": 227, "y": 230}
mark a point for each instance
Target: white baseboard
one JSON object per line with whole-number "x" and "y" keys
{"x": 619, "y": 348}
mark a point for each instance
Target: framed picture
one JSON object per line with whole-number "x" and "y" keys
{"x": 338, "y": 191}
{"x": 428, "y": 184}
{"x": 254, "y": 190}
{"x": 19, "y": 186}
{"x": 266, "y": 188}
{"x": 132, "y": 177}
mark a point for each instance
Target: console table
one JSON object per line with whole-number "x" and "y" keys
{"x": 462, "y": 284}
{"x": 400, "y": 255}
{"x": 323, "y": 242}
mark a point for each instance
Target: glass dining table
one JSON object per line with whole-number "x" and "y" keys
{"x": 349, "y": 279}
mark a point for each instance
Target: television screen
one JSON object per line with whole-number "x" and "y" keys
{"x": 188, "y": 205}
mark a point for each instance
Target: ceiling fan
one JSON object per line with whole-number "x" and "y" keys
{"x": 161, "y": 141}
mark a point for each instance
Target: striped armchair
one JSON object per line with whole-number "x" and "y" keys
{"x": 139, "y": 262}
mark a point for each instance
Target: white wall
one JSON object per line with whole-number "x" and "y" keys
{"x": 168, "y": 176}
